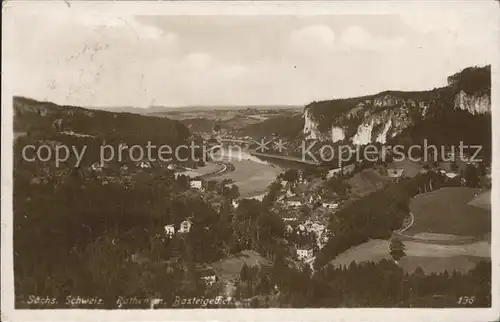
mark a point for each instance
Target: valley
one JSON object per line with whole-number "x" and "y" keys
{"x": 259, "y": 227}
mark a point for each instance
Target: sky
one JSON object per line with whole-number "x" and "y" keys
{"x": 123, "y": 60}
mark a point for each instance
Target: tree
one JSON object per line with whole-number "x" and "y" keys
{"x": 471, "y": 176}
{"x": 291, "y": 175}
{"x": 234, "y": 193}
{"x": 244, "y": 273}
{"x": 397, "y": 249}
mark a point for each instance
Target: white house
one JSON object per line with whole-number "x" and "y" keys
{"x": 208, "y": 276}
{"x": 305, "y": 253}
{"x": 169, "y": 230}
{"x": 96, "y": 167}
{"x": 144, "y": 165}
{"x": 294, "y": 202}
{"x": 330, "y": 205}
{"x": 317, "y": 228}
{"x": 288, "y": 229}
{"x": 395, "y": 173}
{"x": 197, "y": 184}
{"x": 185, "y": 226}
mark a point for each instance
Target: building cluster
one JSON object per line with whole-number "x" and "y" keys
{"x": 184, "y": 227}
{"x": 318, "y": 231}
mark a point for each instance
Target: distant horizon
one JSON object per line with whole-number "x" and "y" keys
{"x": 242, "y": 106}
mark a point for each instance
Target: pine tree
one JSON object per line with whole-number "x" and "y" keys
{"x": 244, "y": 273}
{"x": 397, "y": 249}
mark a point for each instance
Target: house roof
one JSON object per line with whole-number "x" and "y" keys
{"x": 207, "y": 271}
{"x": 305, "y": 247}
{"x": 294, "y": 198}
{"x": 395, "y": 172}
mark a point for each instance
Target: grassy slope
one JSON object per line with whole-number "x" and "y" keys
{"x": 446, "y": 211}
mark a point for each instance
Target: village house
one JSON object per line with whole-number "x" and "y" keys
{"x": 305, "y": 252}
{"x": 395, "y": 172}
{"x": 96, "y": 167}
{"x": 330, "y": 205}
{"x": 144, "y": 165}
{"x": 332, "y": 173}
{"x": 317, "y": 228}
{"x": 322, "y": 239}
{"x": 294, "y": 201}
{"x": 124, "y": 169}
{"x": 301, "y": 229}
{"x": 185, "y": 226}
{"x": 208, "y": 275}
{"x": 169, "y": 230}
{"x": 451, "y": 175}
{"x": 196, "y": 184}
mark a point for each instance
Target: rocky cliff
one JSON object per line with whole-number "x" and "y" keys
{"x": 380, "y": 117}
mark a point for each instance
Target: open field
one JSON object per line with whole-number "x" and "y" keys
{"x": 446, "y": 211}
{"x": 229, "y": 268}
{"x": 374, "y": 250}
{"x": 430, "y": 257}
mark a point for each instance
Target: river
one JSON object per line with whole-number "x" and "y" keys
{"x": 252, "y": 175}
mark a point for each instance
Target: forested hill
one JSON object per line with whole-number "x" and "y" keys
{"x": 35, "y": 116}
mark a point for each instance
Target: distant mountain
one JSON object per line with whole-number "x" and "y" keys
{"x": 286, "y": 126}
{"x": 223, "y": 107}
{"x": 166, "y": 110}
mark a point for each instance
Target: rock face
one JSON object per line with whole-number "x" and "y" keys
{"x": 474, "y": 104}
{"x": 380, "y": 117}
{"x": 338, "y": 134}
{"x": 311, "y": 126}
{"x": 372, "y": 120}
{"x": 364, "y": 133}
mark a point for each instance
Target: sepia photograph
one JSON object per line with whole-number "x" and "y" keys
{"x": 203, "y": 158}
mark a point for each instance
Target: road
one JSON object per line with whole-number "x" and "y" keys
{"x": 226, "y": 167}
